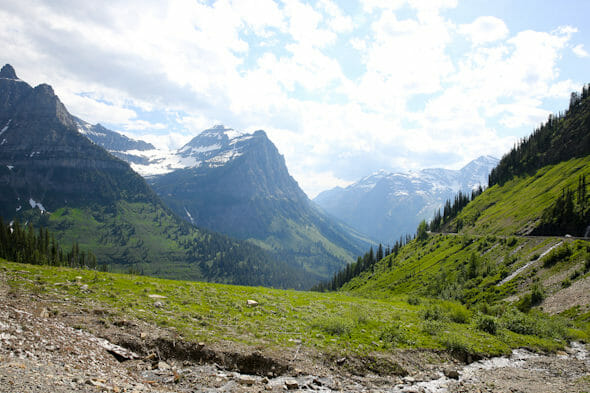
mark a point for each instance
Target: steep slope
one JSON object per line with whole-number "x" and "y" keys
{"x": 238, "y": 184}
{"x": 388, "y": 205}
{"x": 488, "y": 259}
{"x": 45, "y": 160}
{"x": 517, "y": 207}
{"x": 117, "y": 144}
{"x": 52, "y": 175}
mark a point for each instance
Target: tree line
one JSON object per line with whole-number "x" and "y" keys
{"x": 24, "y": 244}
{"x": 363, "y": 264}
{"x": 452, "y": 209}
{"x": 569, "y": 214}
{"x": 562, "y": 137}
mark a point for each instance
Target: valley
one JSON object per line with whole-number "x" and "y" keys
{"x": 491, "y": 294}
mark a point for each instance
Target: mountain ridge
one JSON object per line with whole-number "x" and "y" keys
{"x": 238, "y": 184}
{"x": 52, "y": 175}
{"x": 387, "y": 205}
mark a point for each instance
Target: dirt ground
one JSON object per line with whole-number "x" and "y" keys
{"x": 61, "y": 346}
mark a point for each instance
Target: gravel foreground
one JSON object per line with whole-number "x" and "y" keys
{"x": 52, "y": 346}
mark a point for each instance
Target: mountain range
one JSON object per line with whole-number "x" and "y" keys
{"x": 238, "y": 184}
{"x": 388, "y": 205}
{"x": 52, "y": 175}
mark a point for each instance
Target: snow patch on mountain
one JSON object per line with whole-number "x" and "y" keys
{"x": 3, "y": 130}
{"x": 386, "y": 205}
{"x": 211, "y": 148}
{"x": 35, "y": 204}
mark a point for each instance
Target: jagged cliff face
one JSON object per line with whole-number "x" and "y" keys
{"x": 44, "y": 159}
{"x": 238, "y": 184}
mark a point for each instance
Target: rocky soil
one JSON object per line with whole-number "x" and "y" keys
{"x": 51, "y": 345}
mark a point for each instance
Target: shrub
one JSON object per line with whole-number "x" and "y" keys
{"x": 433, "y": 327}
{"x": 413, "y": 300}
{"x": 457, "y": 346}
{"x": 458, "y": 313}
{"x": 520, "y": 323}
{"x": 486, "y": 323}
{"x": 335, "y": 326}
{"x": 393, "y": 334}
{"x": 556, "y": 255}
{"x": 433, "y": 313}
{"x": 537, "y": 294}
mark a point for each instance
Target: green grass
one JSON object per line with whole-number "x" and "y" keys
{"x": 138, "y": 235}
{"x": 518, "y": 205}
{"x": 326, "y": 322}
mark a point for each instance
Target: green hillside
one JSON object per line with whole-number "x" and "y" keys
{"x": 512, "y": 248}
{"x": 323, "y": 325}
{"x": 517, "y": 206}
{"x": 474, "y": 264}
{"x": 146, "y": 238}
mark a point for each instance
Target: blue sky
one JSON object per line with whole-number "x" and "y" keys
{"x": 343, "y": 88}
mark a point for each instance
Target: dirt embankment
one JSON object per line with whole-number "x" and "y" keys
{"x": 50, "y": 345}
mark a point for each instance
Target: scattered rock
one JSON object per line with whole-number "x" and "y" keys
{"x": 44, "y": 313}
{"x": 291, "y": 384}
{"x": 251, "y": 303}
{"x": 158, "y": 304}
{"x": 163, "y": 365}
{"x": 246, "y": 380}
{"x": 154, "y": 296}
{"x": 341, "y": 361}
{"x": 99, "y": 383}
{"x": 84, "y": 287}
{"x": 450, "y": 373}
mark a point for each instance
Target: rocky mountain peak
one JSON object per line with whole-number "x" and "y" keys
{"x": 8, "y": 72}
{"x": 42, "y": 104}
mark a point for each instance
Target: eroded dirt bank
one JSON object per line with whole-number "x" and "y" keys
{"x": 55, "y": 346}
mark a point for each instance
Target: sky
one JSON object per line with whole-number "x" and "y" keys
{"x": 342, "y": 88}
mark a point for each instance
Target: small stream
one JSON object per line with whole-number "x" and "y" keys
{"x": 520, "y": 269}
{"x": 517, "y": 360}
{"x": 210, "y": 378}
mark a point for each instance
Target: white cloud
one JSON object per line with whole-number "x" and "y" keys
{"x": 142, "y": 125}
{"x": 580, "y": 51}
{"x": 485, "y": 29}
{"x": 169, "y": 141}
{"x": 416, "y": 99}
{"x": 358, "y": 44}
{"x": 95, "y": 111}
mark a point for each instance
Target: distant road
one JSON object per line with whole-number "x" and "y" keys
{"x": 508, "y": 236}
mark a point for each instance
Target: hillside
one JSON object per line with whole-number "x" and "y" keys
{"x": 51, "y": 175}
{"x": 490, "y": 254}
{"x": 517, "y": 207}
{"x": 387, "y": 206}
